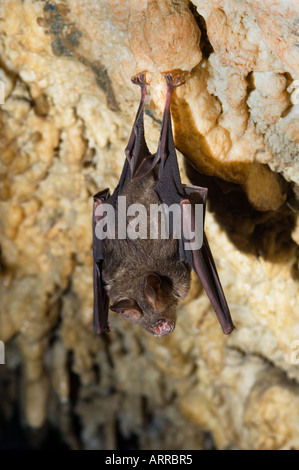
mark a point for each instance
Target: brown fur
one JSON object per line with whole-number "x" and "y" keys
{"x": 128, "y": 263}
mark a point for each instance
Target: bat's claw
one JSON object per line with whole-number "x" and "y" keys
{"x": 139, "y": 79}
{"x": 173, "y": 82}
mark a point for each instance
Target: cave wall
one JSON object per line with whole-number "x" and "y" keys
{"x": 66, "y": 119}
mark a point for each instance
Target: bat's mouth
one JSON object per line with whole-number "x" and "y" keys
{"x": 162, "y": 328}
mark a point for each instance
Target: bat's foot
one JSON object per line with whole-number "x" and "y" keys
{"x": 139, "y": 79}
{"x": 173, "y": 82}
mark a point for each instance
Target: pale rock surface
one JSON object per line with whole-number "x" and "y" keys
{"x": 69, "y": 107}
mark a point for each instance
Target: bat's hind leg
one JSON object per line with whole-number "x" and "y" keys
{"x": 140, "y": 80}
{"x": 166, "y": 145}
{"x": 137, "y": 151}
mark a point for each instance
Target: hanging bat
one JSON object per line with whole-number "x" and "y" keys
{"x": 142, "y": 279}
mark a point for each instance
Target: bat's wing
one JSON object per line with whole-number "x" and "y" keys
{"x": 198, "y": 195}
{"x": 101, "y": 300}
{"x": 140, "y": 159}
{"x": 202, "y": 261}
{"x": 171, "y": 191}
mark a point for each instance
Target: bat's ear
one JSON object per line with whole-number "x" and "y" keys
{"x": 128, "y": 308}
{"x": 152, "y": 287}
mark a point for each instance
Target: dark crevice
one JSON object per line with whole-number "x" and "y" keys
{"x": 266, "y": 234}
{"x": 14, "y": 435}
{"x": 205, "y": 45}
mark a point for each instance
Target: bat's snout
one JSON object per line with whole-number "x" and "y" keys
{"x": 162, "y": 328}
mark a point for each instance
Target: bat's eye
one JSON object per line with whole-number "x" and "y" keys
{"x": 162, "y": 328}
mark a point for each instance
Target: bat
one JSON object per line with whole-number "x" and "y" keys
{"x": 143, "y": 278}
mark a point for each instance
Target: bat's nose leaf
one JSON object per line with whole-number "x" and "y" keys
{"x": 162, "y": 328}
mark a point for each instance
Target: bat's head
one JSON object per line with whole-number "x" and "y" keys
{"x": 154, "y": 307}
